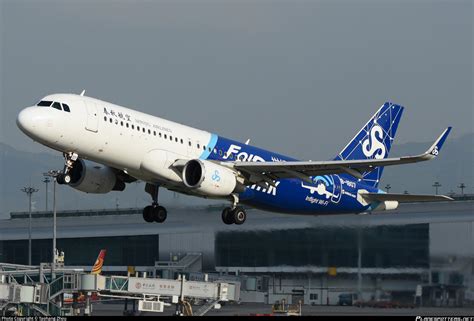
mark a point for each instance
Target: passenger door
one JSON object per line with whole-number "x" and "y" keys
{"x": 92, "y": 121}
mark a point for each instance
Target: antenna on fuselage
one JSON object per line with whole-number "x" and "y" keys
{"x": 247, "y": 141}
{"x": 83, "y": 92}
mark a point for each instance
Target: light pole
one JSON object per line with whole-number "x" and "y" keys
{"x": 388, "y": 187}
{"x": 54, "y": 174}
{"x": 29, "y": 191}
{"x": 436, "y": 185}
{"x": 462, "y": 187}
{"x": 46, "y": 180}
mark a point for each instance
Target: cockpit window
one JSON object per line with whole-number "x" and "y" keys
{"x": 44, "y": 103}
{"x": 57, "y": 105}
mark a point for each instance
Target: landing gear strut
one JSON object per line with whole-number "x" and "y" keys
{"x": 235, "y": 214}
{"x": 154, "y": 212}
{"x": 65, "y": 176}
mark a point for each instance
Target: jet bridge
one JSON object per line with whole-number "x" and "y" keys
{"x": 39, "y": 289}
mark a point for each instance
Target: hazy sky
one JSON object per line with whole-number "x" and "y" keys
{"x": 298, "y": 77}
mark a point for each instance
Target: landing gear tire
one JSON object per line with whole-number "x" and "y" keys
{"x": 63, "y": 179}
{"x": 148, "y": 214}
{"x": 227, "y": 216}
{"x": 155, "y": 212}
{"x": 239, "y": 215}
{"x": 159, "y": 214}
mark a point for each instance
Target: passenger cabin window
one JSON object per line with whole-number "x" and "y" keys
{"x": 66, "y": 108}
{"x": 44, "y": 103}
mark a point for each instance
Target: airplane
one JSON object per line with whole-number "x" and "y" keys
{"x": 96, "y": 270}
{"x": 106, "y": 146}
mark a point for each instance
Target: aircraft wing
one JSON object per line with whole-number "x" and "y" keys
{"x": 405, "y": 198}
{"x": 256, "y": 172}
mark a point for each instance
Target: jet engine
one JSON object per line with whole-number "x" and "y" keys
{"x": 208, "y": 178}
{"x": 94, "y": 178}
{"x": 386, "y": 206}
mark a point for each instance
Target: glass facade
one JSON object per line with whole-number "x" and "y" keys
{"x": 121, "y": 250}
{"x": 382, "y": 247}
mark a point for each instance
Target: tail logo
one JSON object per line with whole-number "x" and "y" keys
{"x": 97, "y": 268}
{"x": 373, "y": 144}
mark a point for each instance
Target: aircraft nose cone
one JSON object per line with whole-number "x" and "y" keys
{"x": 25, "y": 121}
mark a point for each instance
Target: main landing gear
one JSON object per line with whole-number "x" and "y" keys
{"x": 235, "y": 214}
{"x": 154, "y": 212}
{"x": 65, "y": 176}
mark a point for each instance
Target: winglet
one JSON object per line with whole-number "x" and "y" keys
{"x": 434, "y": 150}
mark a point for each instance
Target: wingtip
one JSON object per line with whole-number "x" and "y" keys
{"x": 438, "y": 144}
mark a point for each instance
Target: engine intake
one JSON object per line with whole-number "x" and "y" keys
{"x": 208, "y": 178}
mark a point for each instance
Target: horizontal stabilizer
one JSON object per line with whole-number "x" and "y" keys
{"x": 405, "y": 198}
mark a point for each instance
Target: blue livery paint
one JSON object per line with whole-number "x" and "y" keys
{"x": 374, "y": 140}
{"x": 209, "y": 147}
{"x": 327, "y": 194}
{"x": 439, "y": 143}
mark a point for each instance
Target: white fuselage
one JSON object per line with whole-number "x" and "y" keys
{"x": 113, "y": 135}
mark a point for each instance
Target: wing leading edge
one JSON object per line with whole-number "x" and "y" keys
{"x": 256, "y": 172}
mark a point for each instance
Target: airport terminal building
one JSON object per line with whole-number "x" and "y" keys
{"x": 427, "y": 246}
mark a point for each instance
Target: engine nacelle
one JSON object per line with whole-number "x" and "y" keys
{"x": 94, "y": 178}
{"x": 386, "y": 206}
{"x": 208, "y": 178}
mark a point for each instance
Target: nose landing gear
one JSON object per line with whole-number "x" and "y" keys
{"x": 65, "y": 176}
{"x": 154, "y": 212}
